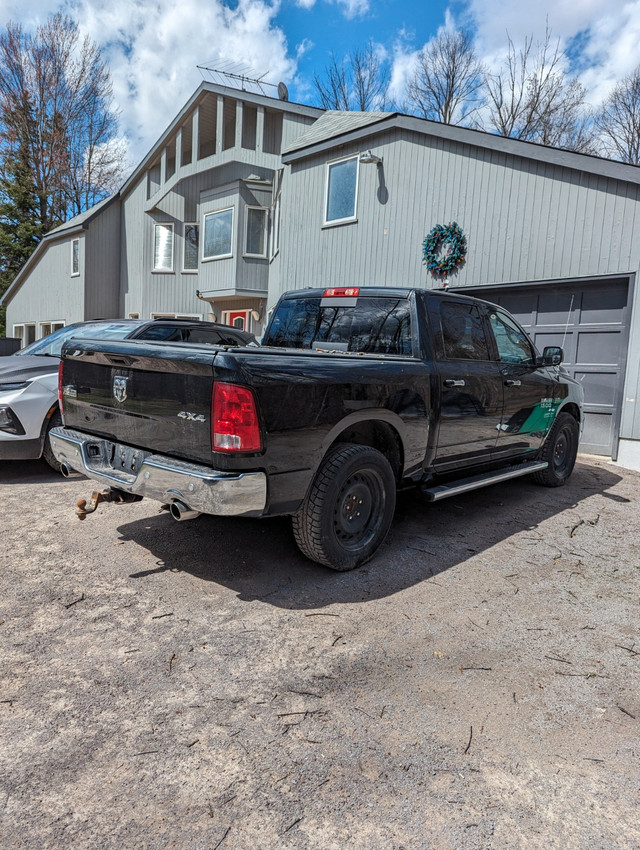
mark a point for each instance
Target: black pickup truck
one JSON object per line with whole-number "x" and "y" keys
{"x": 353, "y": 394}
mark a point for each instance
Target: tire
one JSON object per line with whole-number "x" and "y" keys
{"x": 559, "y": 450}
{"x": 329, "y": 528}
{"x": 47, "y": 451}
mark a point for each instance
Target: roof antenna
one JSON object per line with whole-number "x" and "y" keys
{"x": 242, "y": 77}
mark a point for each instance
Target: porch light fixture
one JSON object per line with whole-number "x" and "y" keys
{"x": 368, "y": 158}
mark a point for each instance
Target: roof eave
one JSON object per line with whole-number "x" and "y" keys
{"x": 478, "y": 138}
{"x": 249, "y": 97}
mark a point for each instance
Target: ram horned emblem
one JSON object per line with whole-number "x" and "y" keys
{"x": 120, "y": 387}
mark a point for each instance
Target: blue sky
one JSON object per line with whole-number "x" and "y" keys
{"x": 153, "y": 48}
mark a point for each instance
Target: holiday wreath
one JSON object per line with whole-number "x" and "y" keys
{"x": 443, "y": 264}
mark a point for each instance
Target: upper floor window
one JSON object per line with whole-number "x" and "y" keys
{"x": 218, "y": 234}
{"x": 191, "y": 247}
{"x": 341, "y": 190}
{"x": 463, "y": 334}
{"x": 75, "y": 257}
{"x": 256, "y": 241}
{"x": 163, "y": 248}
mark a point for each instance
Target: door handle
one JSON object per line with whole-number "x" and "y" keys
{"x": 450, "y": 382}
{"x": 511, "y": 383}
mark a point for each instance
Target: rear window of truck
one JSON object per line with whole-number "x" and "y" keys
{"x": 372, "y": 325}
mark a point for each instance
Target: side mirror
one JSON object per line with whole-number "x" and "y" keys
{"x": 552, "y": 355}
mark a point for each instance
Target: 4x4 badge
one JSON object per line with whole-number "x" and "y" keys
{"x": 120, "y": 387}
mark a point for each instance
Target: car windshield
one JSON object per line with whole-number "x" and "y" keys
{"x": 51, "y": 345}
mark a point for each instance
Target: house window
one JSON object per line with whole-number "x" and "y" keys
{"x": 256, "y": 241}
{"x": 191, "y": 246}
{"x": 341, "y": 190}
{"x": 163, "y": 248}
{"x": 218, "y": 232}
{"x": 75, "y": 257}
{"x": 47, "y": 328}
{"x": 25, "y": 333}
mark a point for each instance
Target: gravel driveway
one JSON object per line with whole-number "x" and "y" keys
{"x": 202, "y": 685}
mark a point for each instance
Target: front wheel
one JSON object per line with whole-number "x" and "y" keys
{"x": 47, "y": 451}
{"x": 348, "y": 511}
{"x": 559, "y": 450}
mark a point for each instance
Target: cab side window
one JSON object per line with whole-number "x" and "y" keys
{"x": 463, "y": 333}
{"x": 512, "y": 343}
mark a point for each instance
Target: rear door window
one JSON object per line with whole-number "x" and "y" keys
{"x": 463, "y": 332}
{"x": 374, "y": 325}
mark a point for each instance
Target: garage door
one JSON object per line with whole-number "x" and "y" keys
{"x": 590, "y": 321}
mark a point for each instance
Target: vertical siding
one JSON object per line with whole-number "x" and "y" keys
{"x": 49, "y": 292}
{"x": 102, "y": 264}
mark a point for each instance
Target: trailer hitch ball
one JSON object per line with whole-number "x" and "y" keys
{"x": 111, "y": 495}
{"x": 83, "y": 507}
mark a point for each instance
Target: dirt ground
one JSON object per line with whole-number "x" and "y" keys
{"x": 202, "y": 685}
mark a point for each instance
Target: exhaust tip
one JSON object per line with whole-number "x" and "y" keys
{"x": 65, "y": 470}
{"x": 181, "y": 512}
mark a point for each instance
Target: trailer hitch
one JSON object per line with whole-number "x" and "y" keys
{"x": 118, "y": 497}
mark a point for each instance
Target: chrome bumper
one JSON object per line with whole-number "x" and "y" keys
{"x": 163, "y": 478}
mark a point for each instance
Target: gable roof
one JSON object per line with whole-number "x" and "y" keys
{"x": 75, "y": 225}
{"x": 337, "y": 128}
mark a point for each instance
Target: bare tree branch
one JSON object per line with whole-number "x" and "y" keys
{"x": 358, "y": 82}
{"x": 618, "y": 120}
{"x": 55, "y": 92}
{"x": 447, "y": 82}
{"x": 531, "y": 98}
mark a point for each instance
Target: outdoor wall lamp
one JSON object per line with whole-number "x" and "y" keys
{"x": 369, "y": 157}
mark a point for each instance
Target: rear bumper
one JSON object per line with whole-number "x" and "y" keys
{"x": 163, "y": 478}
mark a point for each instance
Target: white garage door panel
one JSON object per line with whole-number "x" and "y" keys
{"x": 590, "y": 321}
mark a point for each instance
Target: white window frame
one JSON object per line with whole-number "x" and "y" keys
{"x": 348, "y": 219}
{"x": 162, "y": 269}
{"x": 75, "y": 272}
{"x": 20, "y": 331}
{"x": 204, "y": 234}
{"x": 265, "y": 241}
{"x": 53, "y": 326}
{"x": 133, "y": 315}
{"x": 184, "y": 245}
{"x": 274, "y": 229}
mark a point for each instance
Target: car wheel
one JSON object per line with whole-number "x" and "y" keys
{"x": 47, "y": 451}
{"x": 348, "y": 511}
{"x": 559, "y": 450}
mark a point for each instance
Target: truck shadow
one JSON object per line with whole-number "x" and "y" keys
{"x": 258, "y": 559}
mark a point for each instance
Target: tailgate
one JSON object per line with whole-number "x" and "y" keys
{"x": 143, "y": 394}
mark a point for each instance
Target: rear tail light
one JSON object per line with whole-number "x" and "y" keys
{"x": 234, "y": 419}
{"x": 60, "y": 399}
{"x": 337, "y": 292}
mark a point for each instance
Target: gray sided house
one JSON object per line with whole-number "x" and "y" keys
{"x": 553, "y": 236}
{"x": 247, "y": 196}
{"x": 192, "y": 232}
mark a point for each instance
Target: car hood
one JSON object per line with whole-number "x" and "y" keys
{"x": 25, "y": 367}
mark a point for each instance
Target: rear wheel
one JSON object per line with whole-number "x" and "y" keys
{"x": 47, "y": 451}
{"x": 560, "y": 450}
{"x": 348, "y": 511}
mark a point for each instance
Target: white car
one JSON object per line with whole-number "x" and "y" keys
{"x": 29, "y": 378}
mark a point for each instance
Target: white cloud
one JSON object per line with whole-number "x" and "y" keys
{"x": 305, "y": 4}
{"x": 153, "y": 50}
{"x": 354, "y": 8}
